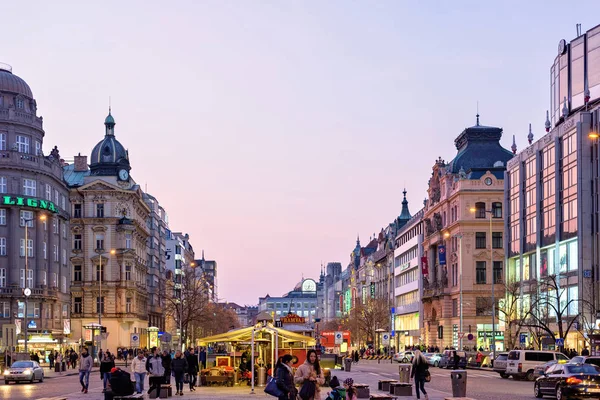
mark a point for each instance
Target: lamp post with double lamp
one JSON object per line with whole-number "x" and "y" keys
{"x": 26, "y": 289}
{"x": 493, "y": 340}
{"x": 100, "y": 253}
{"x": 459, "y": 236}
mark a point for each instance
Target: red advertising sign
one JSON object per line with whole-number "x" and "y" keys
{"x": 328, "y": 338}
{"x": 424, "y": 266}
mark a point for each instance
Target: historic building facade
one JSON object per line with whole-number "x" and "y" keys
{"x": 462, "y": 242}
{"x": 108, "y": 252}
{"x": 33, "y": 203}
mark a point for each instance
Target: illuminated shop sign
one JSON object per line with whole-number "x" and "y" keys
{"x": 31, "y": 202}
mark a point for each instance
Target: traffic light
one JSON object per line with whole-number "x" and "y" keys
{"x": 102, "y": 329}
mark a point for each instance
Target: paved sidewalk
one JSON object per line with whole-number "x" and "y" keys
{"x": 243, "y": 392}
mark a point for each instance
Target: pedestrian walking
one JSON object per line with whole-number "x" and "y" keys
{"x": 285, "y": 378}
{"x": 420, "y": 373}
{"x": 192, "y": 362}
{"x": 166, "y": 362}
{"x": 310, "y": 373}
{"x": 106, "y": 365}
{"x": 356, "y": 357}
{"x": 179, "y": 366}
{"x": 156, "y": 371}
{"x": 456, "y": 359}
{"x": 138, "y": 367}
{"x": 85, "y": 368}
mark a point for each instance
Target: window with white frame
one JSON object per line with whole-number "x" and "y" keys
{"x": 22, "y": 279}
{"x": 63, "y": 285}
{"x": 128, "y": 305}
{"x": 44, "y": 278}
{"x": 20, "y": 104}
{"x": 2, "y": 137}
{"x": 2, "y": 216}
{"x": 27, "y": 218}
{"x": 55, "y": 253}
{"x": 48, "y": 192}
{"x": 56, "y": 197}
{"x": 30, "y": 278}
{"x": 22, "y": 144}
{"x": 127, "y": 272}
{"x": 2, "y": 277}
{"x": 128, "y": 237}
{"x": 2, "y": 246}
{"x": 64, "y": 229}
{"x": 29, "y": 187}
{"x": 3, "y": 185}
{"x": 45, "y": 251}
{"x": 5, "y": 309}
{"x": 29, "y": 248}
{"x": 64, "y": 256}
{"x": 55, "y": 225}
{"x": 99, "y": 241}
{"x": 38, "y": 148}
{"x": 63, "y": 202}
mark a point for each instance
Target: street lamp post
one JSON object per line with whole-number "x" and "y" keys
{"x": 100, "y": 253}
{"x": 493, "y": 340}
{"x": 460, "y": 286}
{"x": 26, "y": 289}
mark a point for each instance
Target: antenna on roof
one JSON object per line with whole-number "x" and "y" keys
{"x": 109, "y": 105}
{"x": 477, "y": 112}
{"x": 578, "y": 26}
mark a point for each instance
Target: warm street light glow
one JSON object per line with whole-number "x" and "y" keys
{"x": 446, "y": 234}
{"x": 192, "y": 264}
{"x": 593, "y": 135}
{"x": 113, "y": 252}
{"x": 43, "y": 217}
{"x": 472, "y": 209}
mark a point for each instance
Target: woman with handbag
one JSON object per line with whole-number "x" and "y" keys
{"x": 420, "y": 372}
{"x": 285, "y": 378}
{"x": 310, "y": 376}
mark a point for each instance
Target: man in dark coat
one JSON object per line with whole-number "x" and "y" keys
{"x": 456, "y": 359}
{"x": 192, "y": 362}
{"x": 166, "y": 362}
{"x": 203, "y": 357}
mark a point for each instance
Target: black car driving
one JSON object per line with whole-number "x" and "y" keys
{"x": 566, "y": 381}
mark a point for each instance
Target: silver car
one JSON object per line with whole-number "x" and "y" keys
{"x": 24, "y": 371}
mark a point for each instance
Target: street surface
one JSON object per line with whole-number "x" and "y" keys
{"x": 481, "y": 385}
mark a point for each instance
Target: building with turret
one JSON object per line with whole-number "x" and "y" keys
{"x": 34, "y": 223}
{"x": 108, "y": 253}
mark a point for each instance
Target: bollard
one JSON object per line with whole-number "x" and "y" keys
{"x": 459, "y": 383}
{"x": 404, "y": 371}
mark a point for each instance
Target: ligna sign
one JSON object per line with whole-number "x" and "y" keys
{"x": 29, "y": 202}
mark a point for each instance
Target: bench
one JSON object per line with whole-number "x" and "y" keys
{"x": 222, "y": 380}
{"x": 362, "y": 390}
{"x": 401, "y": 389}
{"x": 382, "y": 397}
{"x": 384, "y": 384}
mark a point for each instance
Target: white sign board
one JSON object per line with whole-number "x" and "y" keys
{"x": 339, "y": 338}
{"x": 135, "y": 340}
{"x": 385, "y": 339}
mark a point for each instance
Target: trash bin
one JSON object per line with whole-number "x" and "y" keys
{"x": 347, "y": 364}
{"x": 262, "y": 376}
{"x": 459, "y": 383}
{"x": 404, "y": 371}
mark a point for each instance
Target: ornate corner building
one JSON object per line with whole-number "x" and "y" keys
{"x": 462, "y": 242}
{"x": 33, "y": 203}
{"x": 109, "y": 248}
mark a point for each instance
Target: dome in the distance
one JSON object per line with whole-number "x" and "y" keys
{"x": 109, "y": 154}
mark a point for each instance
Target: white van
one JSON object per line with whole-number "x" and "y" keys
{"x": 521, "y": 363}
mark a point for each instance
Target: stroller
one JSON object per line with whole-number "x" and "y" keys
{"x": 338, "y": 392}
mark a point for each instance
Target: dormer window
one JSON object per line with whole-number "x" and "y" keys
{"x": 20, "y": 104}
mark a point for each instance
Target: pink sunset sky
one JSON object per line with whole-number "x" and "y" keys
{"x": 274, "y": 132}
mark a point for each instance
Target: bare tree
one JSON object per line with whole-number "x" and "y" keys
{"x": 512, "y": 313}
{"x": 549, "y": 306}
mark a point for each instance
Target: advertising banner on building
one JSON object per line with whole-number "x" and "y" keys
{"x": 67, "y": 326}
{"x": 424, "y": 266}
{"x": 442, "y": 254}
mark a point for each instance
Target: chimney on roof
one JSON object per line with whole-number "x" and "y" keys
{"x": 80, "y": 163}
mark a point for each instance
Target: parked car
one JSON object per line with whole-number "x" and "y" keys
{"x": 404, "y": 357}
{"x": 23, "y": 371}
{"x": 434, "y": 359}
{"x": 447, "y": 359}
{"x": 500, "y": 364}
{"x": 569, "y": 380}
{"x": 522, "y": 363}
{"x": 594, "y": 360}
